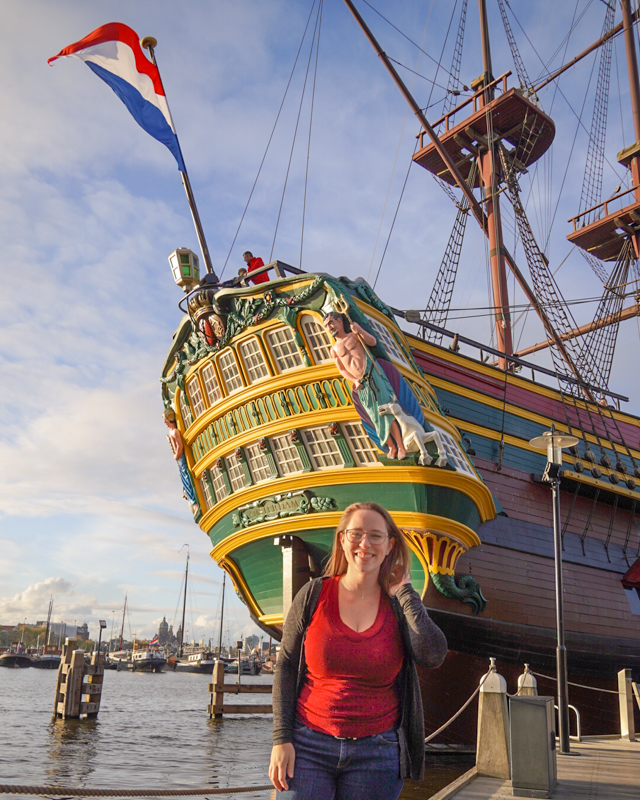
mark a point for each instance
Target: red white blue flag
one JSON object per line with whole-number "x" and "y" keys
{"x": 154, "y": 642}
{"x": 113, "y": 52}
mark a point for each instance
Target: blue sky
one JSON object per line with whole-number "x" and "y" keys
{"x": 90, "y": 208}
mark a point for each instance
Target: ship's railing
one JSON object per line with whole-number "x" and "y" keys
{"x": 514, "y": 363}
{"x": 281, "y": 270}
{"x": 475, "y": 99}
{"x": 600, "y": 210}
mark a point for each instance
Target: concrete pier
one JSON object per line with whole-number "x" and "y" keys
{"x": 608, "y": 769}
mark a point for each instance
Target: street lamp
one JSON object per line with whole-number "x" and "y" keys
{"x": 554, "y": 443}
{"x": 103, "y": 624}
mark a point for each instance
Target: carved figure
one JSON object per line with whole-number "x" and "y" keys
{"x": 177, "y": 447}
{"x": 396, "y": 426}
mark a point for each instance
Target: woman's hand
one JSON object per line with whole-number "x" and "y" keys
{"x": 283, "y": 757}
{"x": 406, "y": 578}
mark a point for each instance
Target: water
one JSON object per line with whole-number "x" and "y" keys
{"x": 152, "y": 732}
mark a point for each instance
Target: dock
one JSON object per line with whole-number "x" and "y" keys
{"x": 605, "y": 769}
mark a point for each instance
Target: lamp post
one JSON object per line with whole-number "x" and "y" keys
{"x": 103, "y": 624}
{"x": 554, "y": 443}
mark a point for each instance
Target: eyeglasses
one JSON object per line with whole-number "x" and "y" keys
{"x": 356, "y": 534}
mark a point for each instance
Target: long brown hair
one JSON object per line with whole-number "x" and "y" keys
{"x": 396, "y": 562}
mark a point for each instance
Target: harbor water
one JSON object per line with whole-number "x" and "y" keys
{"x": 153, "y": 732}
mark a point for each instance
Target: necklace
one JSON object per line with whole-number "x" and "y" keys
{"x": 357, "y": 591}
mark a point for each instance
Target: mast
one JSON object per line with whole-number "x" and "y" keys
{"x": 184, "y": 604}
{"x": 634, "y": 90}
{"x": 224, "y": 578}
{"x": 124, "y": 609}
{"x": 47, "y": 631}
{"x": 489, "y": 173}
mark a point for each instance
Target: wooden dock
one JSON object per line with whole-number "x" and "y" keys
{"x": 606, "y": 769}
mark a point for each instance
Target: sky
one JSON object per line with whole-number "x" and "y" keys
{"x": 91, "y": 207}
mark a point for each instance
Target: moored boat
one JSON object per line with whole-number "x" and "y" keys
{"x": 15, "y": 657}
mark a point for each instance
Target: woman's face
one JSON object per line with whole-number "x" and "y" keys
{"x": 365, "y": 556}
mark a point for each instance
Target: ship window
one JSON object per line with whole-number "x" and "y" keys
{"x": 317, "y": 338}
{"x": 211, "y": 385}
{"x": 187, "y": 416}
{"x": 253, "y": 360}
{"x": 360, "y": 444}
{"x": 286, "y": 454}
{"x": 230, "y": 371}
{"x": 456, "y": 457}
{"x": 388, "y": 342}
{"x": 219, "y": 486}
{"x": 284, "y": 349}
{"x": 258, "y": 464}
{"x": 195, "y": 395}
{"x": 633, "y": 596}
{"x": 206, "y": 493}
{"x": 236, "y": 473}
{"x": 322, "y": 448}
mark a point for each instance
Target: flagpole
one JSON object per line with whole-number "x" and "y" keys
{"x": 149, "y": 43}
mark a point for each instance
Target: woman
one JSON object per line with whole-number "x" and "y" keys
{"x": 347, "y": 711}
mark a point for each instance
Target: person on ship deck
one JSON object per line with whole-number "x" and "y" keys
{"x": 253, "y": 263}
{"x": 347, "y": 711}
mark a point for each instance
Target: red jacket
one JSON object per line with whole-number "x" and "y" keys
{"x": 256, "y": 263}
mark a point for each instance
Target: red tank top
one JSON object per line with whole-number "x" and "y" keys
{"x": 350, "y": 685}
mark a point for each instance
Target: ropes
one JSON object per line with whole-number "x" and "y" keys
{"x": 65, "y": 791}
{"x": 460, "y": 710}
{"x": 580, "y": 685}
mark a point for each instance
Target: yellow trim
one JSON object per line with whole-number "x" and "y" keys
{"x": 330, "y": 519}
{"x": 467, "y": 364}
{"x": 472, "y": 487}
{"x": 597, "y": 482}
{"x": 271, "y": 619}
{"x": 239, "y": 583}
{"x": 517, "y": 411}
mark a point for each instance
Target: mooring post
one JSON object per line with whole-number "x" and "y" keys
{"x": 217, "y": 691}
{"x": 625, "y": 697}
{"x": 295, "y": 569}
{"x": 527, "y": 684}
{"x": 492, "y": 751}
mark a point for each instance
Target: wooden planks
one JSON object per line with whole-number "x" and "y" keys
{"x": 607, "y": 769}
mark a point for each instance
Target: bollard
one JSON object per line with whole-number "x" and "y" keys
{"x": 78, "y": 685}
{"x": 492, "y": 752}
{"x": 527, "y": 684}
{"x": 216, "y": 689}
{"x": 625, "y": 697}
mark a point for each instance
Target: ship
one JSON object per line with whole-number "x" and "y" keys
{"x": 274, "y": 442}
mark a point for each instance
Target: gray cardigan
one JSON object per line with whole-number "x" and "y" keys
{"x": 424, "y": 644}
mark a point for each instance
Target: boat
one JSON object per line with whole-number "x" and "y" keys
{"x": 140, "y": 659}
{"x": 201, "y": 661}
{"x": 49, "y": 656}
{"x": 250, "y": 666}
{"x": 16, "y": 657}
{"x": 276, "y": 442}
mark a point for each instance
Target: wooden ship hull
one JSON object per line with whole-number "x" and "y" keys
{"x": 276, "y": 450}
{"x": 273, "y": 443}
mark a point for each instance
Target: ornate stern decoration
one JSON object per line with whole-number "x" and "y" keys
{"x": 439, "y": 553}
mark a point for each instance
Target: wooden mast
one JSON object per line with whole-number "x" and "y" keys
{"x": 184, "y": 605}
{"x": 489, "y": 174}
{"x": 124, "y": 611}
{"x": 634, "y": 91}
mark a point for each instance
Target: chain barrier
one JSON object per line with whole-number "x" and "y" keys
{"x": 64, "y": 791}
{"x": 580, "y": 685}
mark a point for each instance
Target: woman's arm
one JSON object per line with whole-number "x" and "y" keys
{"x": 428, "y": 642}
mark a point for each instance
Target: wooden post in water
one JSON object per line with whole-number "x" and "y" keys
{"x": 78, "y": 686}
{"x": 219, "y": 688}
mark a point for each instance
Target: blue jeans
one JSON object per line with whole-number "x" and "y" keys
{"x": 327, "y": 768}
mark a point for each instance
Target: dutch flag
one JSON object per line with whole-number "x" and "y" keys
{"x": 154, "y": 642}
{"x": 113, "y": 52}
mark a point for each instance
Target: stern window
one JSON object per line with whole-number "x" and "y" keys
{"x": 284, "y": 348}
{"x": 317, "y": 338}
{"x": 322, "y": 448}
{"x": 230, "y": 371}
{"x": 286, "y": 454}
{"x": 195, "y": 395}
{"x": 253, "y": 360}
{"x": 211, "y": 385}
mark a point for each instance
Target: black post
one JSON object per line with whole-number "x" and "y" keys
{"x": 561, "y": 650}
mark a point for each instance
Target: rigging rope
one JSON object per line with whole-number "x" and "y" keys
{"x": 459, "y": 711}
{"x": 525, "y": 83}
{"x": 313, "y": 96}
{"x": 295, "y": 131}
{"x": 273, "y": 130}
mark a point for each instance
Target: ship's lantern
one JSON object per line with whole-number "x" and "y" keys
{"x": 185, "y": 268}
